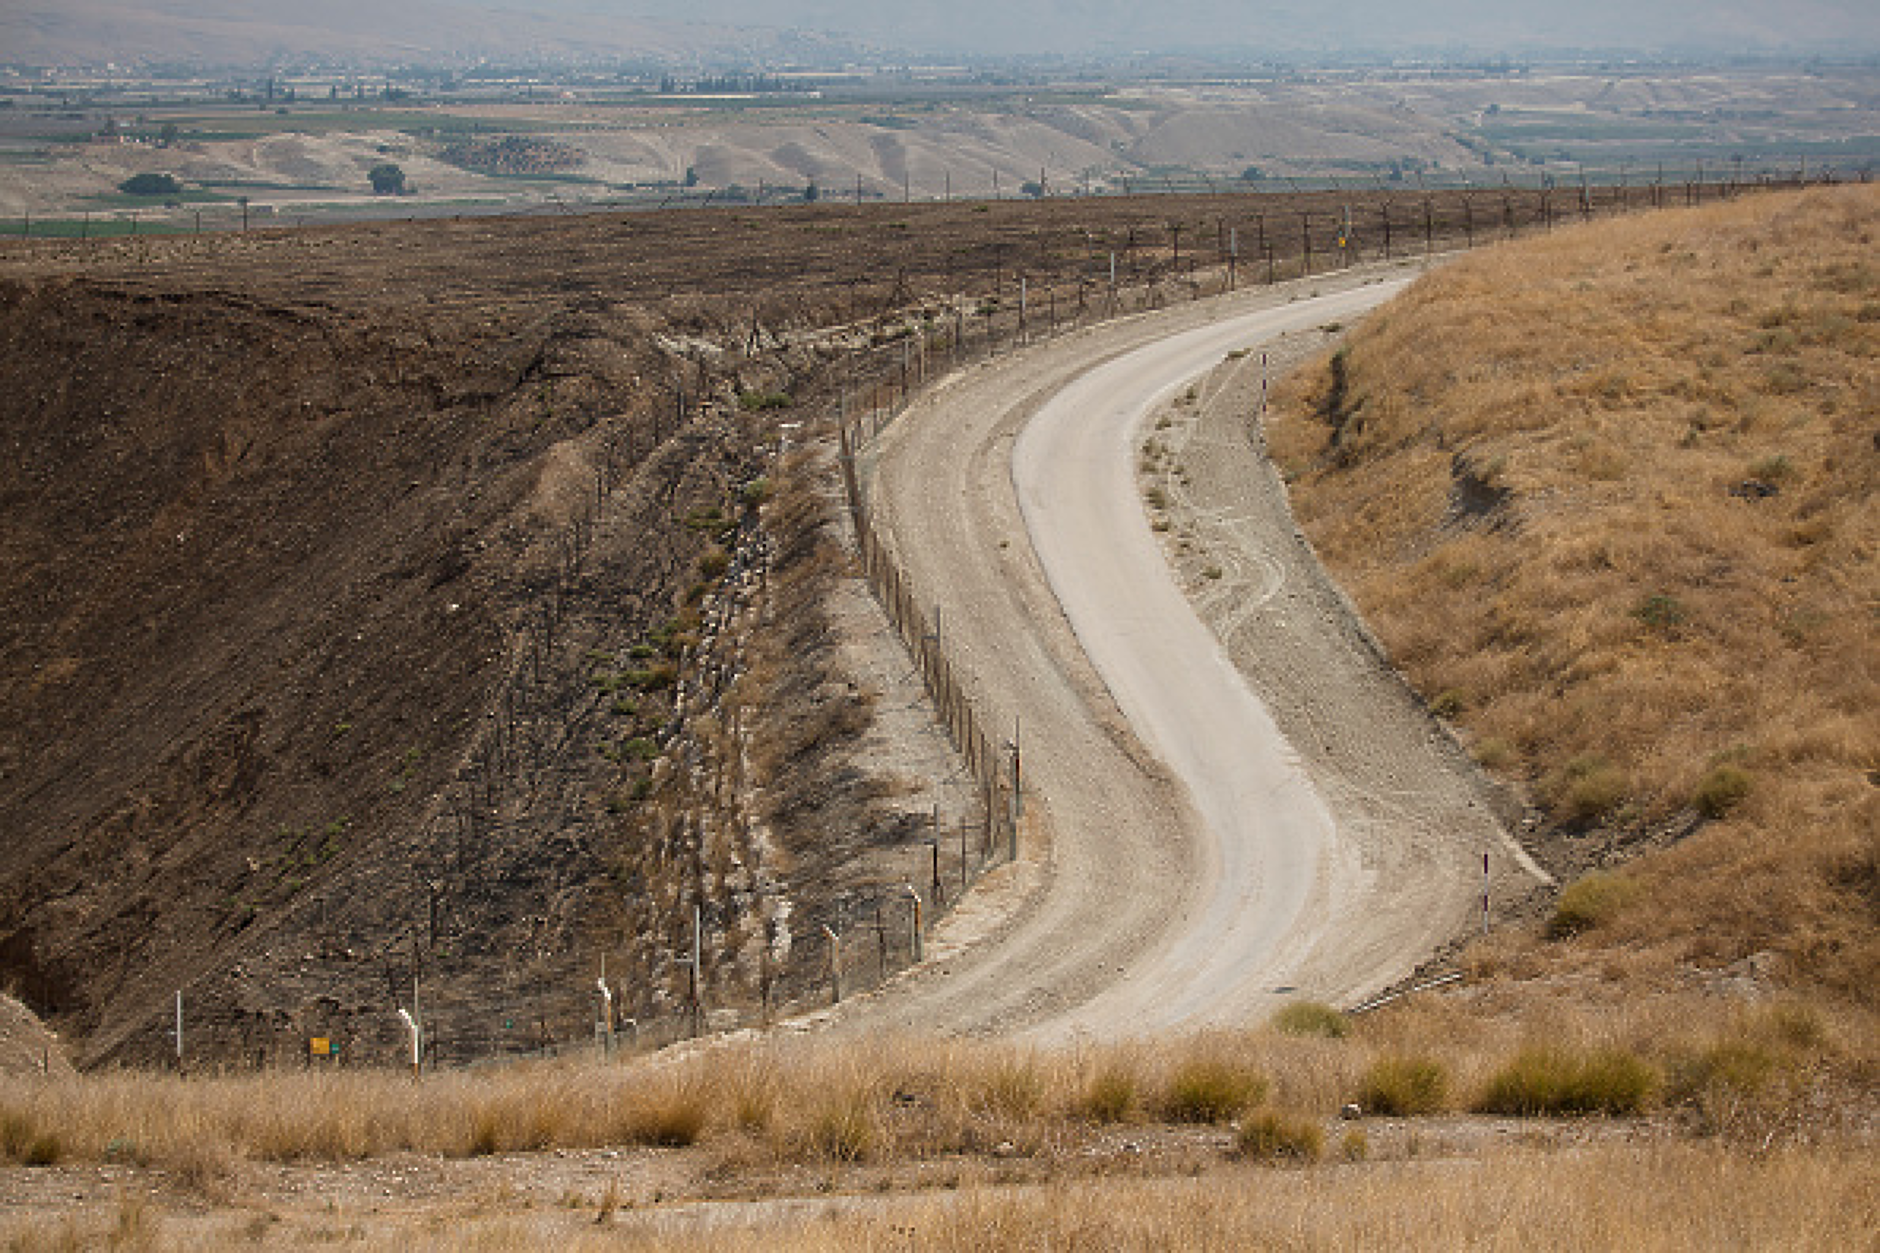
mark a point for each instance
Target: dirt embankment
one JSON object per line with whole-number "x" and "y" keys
{"x": 358, "y": 636}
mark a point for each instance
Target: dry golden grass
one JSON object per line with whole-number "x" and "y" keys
{"x": 1527, "y": 485}
{"x": 1719, "y": 1066}
{"x": 1615, "y": 1197}
{"x": 1616, "y": 1194}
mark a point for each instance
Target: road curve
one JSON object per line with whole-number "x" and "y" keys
{"x": 1181, "y": 867}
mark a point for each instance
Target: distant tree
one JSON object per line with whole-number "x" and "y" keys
{"x": 1252, "y": 174}
{"x": 812, "y": 193}
{"x": 1034, "y": 190}
{"x": 167, "y": 137}
{"x": 387, "y": 179}
{"x": 149, "y": 185}
{"x": 691, "y": 176}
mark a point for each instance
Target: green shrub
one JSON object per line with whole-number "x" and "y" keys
{"x": 1275, "y": 1137}
{"x": 1589, "y": 902}
{"x": 1209, "y": 1091}
{"x": 150, "y": 185}
{"x": 1721, "y": 789}
{"x": 1402, "y": 1087}
{"x": 1312, "y": 1018}
{"x": 1548, "y": 1080}
{"x": 760, "y": 401}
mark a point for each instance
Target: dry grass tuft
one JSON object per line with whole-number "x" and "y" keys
{"x": 1270, "y": 1136}
{"x": 1312, "y": 1018}
{"x": 1210, "y": 1090}
{"x": 1549, "y": 1080}
{"x": 1589, "y": 901}
{"x": 1401, "y": 1087}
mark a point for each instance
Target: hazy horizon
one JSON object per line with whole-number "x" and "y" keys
{"x": 48, "y": 32}
{"x": 1084, "y": 27}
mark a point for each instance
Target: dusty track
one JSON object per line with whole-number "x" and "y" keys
{"x": 1220, "y": 869}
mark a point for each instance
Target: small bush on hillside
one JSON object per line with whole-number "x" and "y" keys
{"x": 1274, "y": 1137}
{"x": 1721, "y": 789}
{"x": 1402, "y": 1087}
{"x": 1732, "y": 1067}
{"x": 1587, "y": 787}
{"x": 757, "y": 402}
{"x": 1551, "y": 1081}
{"x": 1209, "y": 1091}
{"x": 1312, "y": 1018}
{"x": 1661, "y": 612}
{"x": 1589, "y": 902}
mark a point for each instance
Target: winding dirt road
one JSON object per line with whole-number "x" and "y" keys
{"x": 1185, "y": 863}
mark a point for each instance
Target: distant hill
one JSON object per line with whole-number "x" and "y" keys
{"x": 429, "y": 32}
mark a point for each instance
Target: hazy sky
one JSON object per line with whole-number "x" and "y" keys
{"x": 219, "y": 31}
{"x": 1078, "y": 26}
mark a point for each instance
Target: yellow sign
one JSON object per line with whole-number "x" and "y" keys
{"x": 320, "y": 1046}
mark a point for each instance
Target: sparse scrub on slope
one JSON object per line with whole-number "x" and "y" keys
{"x": 1610, "y": 493}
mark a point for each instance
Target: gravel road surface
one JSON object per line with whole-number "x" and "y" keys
{"x": 1186, "y": 861}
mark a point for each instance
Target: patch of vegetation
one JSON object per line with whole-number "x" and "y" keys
{"x": 1112, "y": 1095}
{"x": 1723, "y": 787}
{"x": 1590, "y": 901}
{"x": 150, "y": 185}
{"x": 1661, "y": 612}
{"x": 387, "y": 179}
{"x": 1209, "y": 1090}
{"x": 1273, "y": 1137}
{"x": 1312, "y": 1018}
{"x": 1548, "y": 1080}
{"x": 1587, "y": 787}
{"x": 1403, "y": 1087}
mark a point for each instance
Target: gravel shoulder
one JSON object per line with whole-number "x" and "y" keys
{"x": 1130, "y": 911}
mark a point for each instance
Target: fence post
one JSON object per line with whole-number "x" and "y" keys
{"x": 835, "y": 965}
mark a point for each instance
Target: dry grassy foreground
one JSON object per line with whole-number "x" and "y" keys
{"x": 1615, "y": 1196}
{"x": 1756, "y": 1120}
{"x": 1608, "y": 497}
